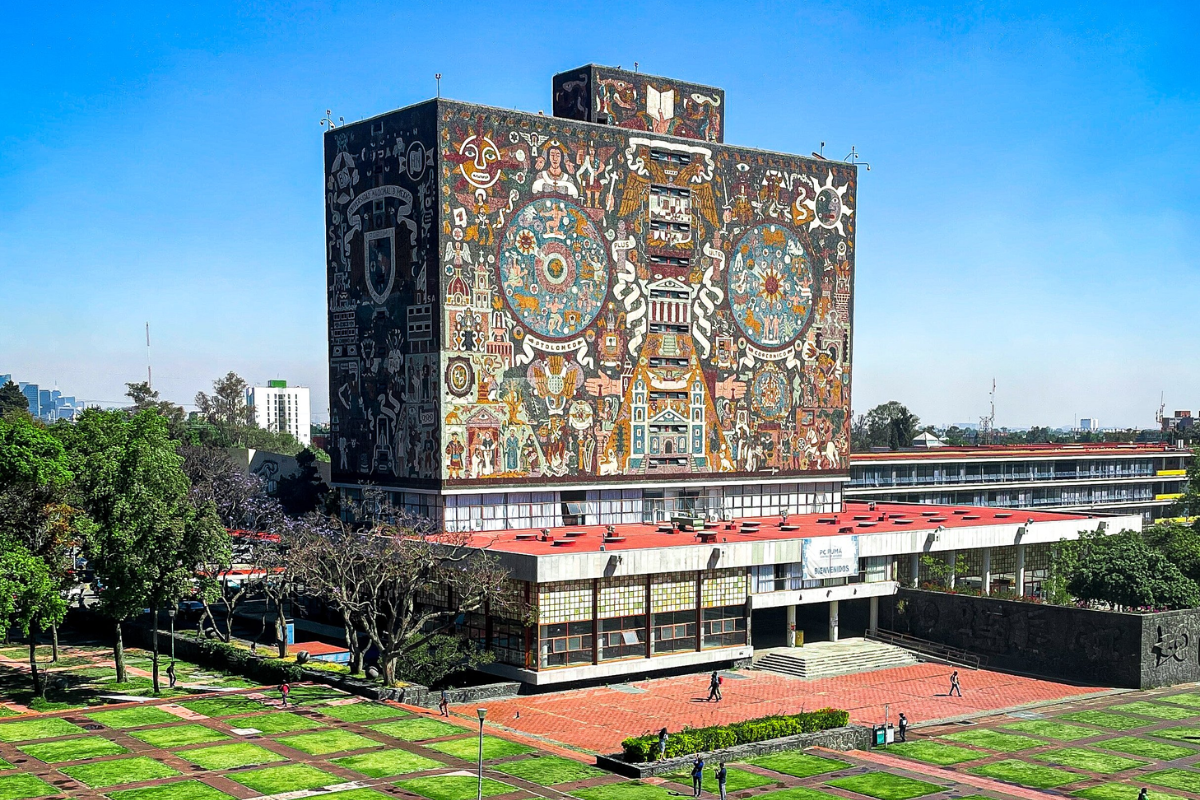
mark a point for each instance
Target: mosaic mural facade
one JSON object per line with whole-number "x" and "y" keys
{"x": 538, "y": 301}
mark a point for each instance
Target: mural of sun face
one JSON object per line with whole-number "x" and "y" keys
{"x": 552, "y": 268}
{"x": 770, "y": 286}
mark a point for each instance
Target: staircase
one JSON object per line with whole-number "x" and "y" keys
{"x": 826, "y": 659}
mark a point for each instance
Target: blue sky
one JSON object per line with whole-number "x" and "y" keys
{"x": 1030, "y": 215}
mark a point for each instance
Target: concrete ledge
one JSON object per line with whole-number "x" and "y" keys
{"x": 851, "y": 737}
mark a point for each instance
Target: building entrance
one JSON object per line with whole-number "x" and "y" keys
{"x": 768, "y": 627}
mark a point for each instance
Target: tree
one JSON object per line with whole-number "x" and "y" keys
{"x": 226, "y": 406}
{"x": 386, "y": 568}
{"x": 143, "y": 536}
{"x": 303, "y": 491}
{"x": 29, "y": 599}
{"x": 889, "y": 425}
{"x": 12, "y": 400}
{"x": 1179, "y": 543}
{"x": 439, "y": 656}
{"x": 144, "y": 397}
{"x": 1122, "y": 570}
{"x": 1188, "y": 504}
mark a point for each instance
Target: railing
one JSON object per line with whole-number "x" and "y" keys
{"x": 928, "y": 649}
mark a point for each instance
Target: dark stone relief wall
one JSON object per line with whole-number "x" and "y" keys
{"x": 1099, "y": 647}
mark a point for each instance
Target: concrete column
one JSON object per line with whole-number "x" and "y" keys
{"x": 873, "y": 624}
{"x": 1020, "y": 569}
{"x": 915, "y": 568}
{"x": 951, "y": 558}
{"x": 833, "y": 620}
{"x": 985, "y": 580}
{"x": 791, "y": 626}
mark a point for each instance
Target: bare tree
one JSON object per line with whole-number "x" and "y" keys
{"x": 400, "y": 581}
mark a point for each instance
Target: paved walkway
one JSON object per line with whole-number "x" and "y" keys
{"x": 596, "y": 720}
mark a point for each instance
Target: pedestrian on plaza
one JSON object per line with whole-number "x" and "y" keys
{"x": 171, "y": 675}
{"x": 444, "y": 704}
{"x": 714, "y": 688}
{"x": 954, "y": 684}
{"x": 284, "y": 691}
{"x": 662, "y": 743}
{"x": 697, "y": 775}
{"x": 903, "y": 727}
{"x": 721, "y": 775}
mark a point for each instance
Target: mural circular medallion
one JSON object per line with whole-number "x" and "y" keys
{"x": 770, "y": 286}
{"x": 552, "y": 268}
{"x": 460, "y": 377}
{"x": 772, "y": 395}
{"x": 829, "y": 207}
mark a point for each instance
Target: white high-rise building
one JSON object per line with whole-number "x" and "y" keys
{"x": 278, "y": 407}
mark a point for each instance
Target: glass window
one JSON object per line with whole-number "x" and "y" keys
{"x": 623, "y": 637}
{"x": 674, "y": 631}
{"x": 724, "y": 626}
{"x": 566, "y": 643}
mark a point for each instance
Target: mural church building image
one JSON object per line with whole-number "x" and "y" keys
{"x": 593, "y": 341}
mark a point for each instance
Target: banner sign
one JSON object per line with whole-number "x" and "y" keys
{"x": 830, "y": 557}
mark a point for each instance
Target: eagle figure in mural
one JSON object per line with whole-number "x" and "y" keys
{"x": 644, "y": 171}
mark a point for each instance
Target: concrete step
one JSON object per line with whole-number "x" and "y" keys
{"x": 826, "y": 659}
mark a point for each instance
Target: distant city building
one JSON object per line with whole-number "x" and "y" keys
{"x": 1179, "y": 421}
{"x": 48, "y": 405}
{"x": 1089, "y": 424}
{"x": 1142, "y": 479}
{"x": 278, "y": 407}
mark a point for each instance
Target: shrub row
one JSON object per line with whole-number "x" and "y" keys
{"x": 217, "y": 654}
{"x": 703, "y": 740}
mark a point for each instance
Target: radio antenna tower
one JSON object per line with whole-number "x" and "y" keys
{"x": 987, "y": 424}
{"x": 149, "y": 375}
{"x": 1162, "y": 409}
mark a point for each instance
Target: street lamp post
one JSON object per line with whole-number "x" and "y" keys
{"x": 171, "y": 616}
{"x": 482, "y": 712}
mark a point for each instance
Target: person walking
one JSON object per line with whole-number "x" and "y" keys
{"x": 697, "y": 775}
{"x": 714, "y": 688}
{"x": 171, "y": 675}
{"x": 444, "y": 704}
{"x": 284, "y": 691}
{"x": 662, "y": 743}
{"x": 1143, "y": 794}
{"x": 954, "y": 684}
{"x": 721, "y": 775}
{"x": 903, "y": 727}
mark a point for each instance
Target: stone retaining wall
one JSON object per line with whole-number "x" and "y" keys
{"x": 851, "y": 737}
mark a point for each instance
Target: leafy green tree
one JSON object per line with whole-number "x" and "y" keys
{"x": 1123, "y": 570}
{"x": 29, "y": 599}
{"x": 439, "y": 656}
{"x": 226, "y": 406}
{"x": 1179, "y": 543}
{"x": 11, "y": 399}
{"x": 1188, "y": 505}
{"x": 143, "y": 537}
{"x": 303, "y": 491}
{"x": 889, "y": 425}
{"x": 144, "y": 397}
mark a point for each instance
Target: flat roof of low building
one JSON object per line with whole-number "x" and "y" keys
{"x": 855, "y": 518}
{"x": 1021, "y": 451}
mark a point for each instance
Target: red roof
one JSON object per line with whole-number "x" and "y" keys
{"x": 854, "y": 519}
{"x": 1021, "y": 451}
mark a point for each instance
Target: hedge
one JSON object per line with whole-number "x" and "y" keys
{"x": 234, "y": 659}
{"x": 704, "y": 740}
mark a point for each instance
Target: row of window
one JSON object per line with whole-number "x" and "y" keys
{"x": 1003, "y": 472}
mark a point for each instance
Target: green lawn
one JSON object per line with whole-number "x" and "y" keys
{"x": 288, "y": 778}
{"x": 453, "y": 787}
{"x": 383, "y": 763}
{"x": 994, "y": 740}
{"x": 325, "y": 742}
{"x": 944, "y": 755}
{"x": 180, "y": 790}
{"x": 122, "y": 770}
{"x": 179, "y": 736}
{"x": 18, "y": 787}
{"x": 735, "y": 779}
{"x": 1120, "y": 791}
{"x": 359, "y": 794}
{"x": 416, "y": 729}
{"x": 1157, "y": 710}
{"x": 629, "y": 790}
{"x": 5, "y": 765}
{"x": 1106, "y": 719}
{"x": 1025, "y": 774}
{"x": 549, "y": 770}
{"x": 804, "y": 793}
{"x": 797, "y": 764}
{"x": 1089, "y": 760}
{"x": 1137, "y": 746}
{"x": 222, "y": 706}
{"x": 1051, "y": 730}
{"x": 134, "y": 717}
{"x": 45, "y": 728}
{"x": 313, "y": 693}
{"x": 1185, "y": 779}
{"x": 468, "y": 748}
{"x": 277, "y": 722}
{"x": 231, "y": 756}
{"x": 362, "y": 712}
{"x": 885, "y": 786}
{"x": 1186, "y": 699}
{"x": 73, "y": 749}
{"x": 1181, "y": 733}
